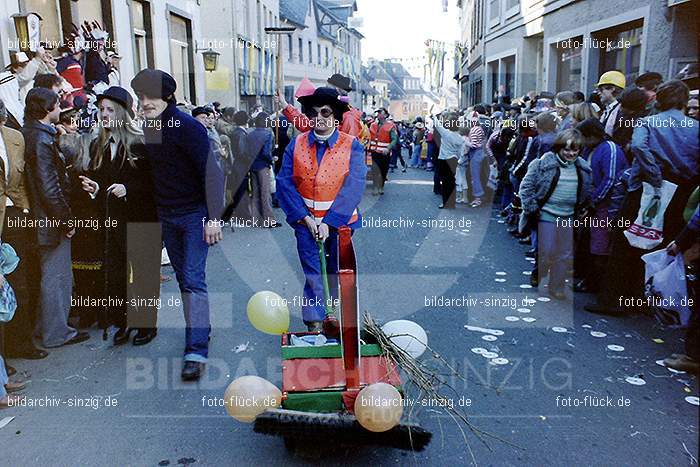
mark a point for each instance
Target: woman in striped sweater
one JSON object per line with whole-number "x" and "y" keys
{"x": 475, "y": 155}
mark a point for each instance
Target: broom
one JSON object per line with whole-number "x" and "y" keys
{"x": 429, "y": 381}
{"x": 342, "y": 429}
{"x": 331, "y": 326}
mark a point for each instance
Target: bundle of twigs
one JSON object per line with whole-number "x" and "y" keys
{"x": 429, "y": 377}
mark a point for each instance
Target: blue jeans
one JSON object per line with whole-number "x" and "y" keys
{"x": 3, "y": 378}
{"x": 415, "y": 157}
{"x": 515, "y": 182}
{"x": 313, "y": 308}
{"x": 184, "y": 239}
{"x": 476, "y": 157}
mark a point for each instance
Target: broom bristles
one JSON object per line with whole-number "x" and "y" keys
{"x": 427, "y": 380}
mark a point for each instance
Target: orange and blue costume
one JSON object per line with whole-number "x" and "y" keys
{"x": 324, "y": 180}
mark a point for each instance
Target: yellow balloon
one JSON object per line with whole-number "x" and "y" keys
{"x": 379, "y": 407}
{"x": 249, "y": 396}
{"x": 268, "y": 312}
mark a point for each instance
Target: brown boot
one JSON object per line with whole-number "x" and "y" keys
{"x": 15, "y": 386}
{"x": 9, "y": 401}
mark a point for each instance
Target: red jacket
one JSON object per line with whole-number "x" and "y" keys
{"x": 380, "y": 136}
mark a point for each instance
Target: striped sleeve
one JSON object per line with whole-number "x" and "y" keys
{"x": 476, "y": 136}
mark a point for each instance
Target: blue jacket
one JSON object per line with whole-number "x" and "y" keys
{"x": 259, "y": 143}
{"x": 348, "y": 198}
{"x": 607, "y": 162}
{"x": 186, "y": 176}
{"x": 541, "y": 144}
{"x": 665, "y": 146}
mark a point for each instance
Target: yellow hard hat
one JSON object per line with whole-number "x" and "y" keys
{"x": 612, "y": 77}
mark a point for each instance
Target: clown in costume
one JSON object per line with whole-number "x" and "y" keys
{"x": 320, "y": 187}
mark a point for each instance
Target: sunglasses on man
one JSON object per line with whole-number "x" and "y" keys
{"x": 325, "y": 112}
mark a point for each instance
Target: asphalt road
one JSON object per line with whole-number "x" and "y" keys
{"x": 405, "y": 271}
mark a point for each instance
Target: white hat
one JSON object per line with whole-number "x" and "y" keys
{"x": 16, "y": 58}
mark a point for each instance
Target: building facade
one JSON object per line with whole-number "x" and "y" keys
{"x": 137, "y": 29}
{"x": 394, "y": 88}
{"x": 324, "y": 43}
{"x": 533, "y": 45}
{"x": 251, "y": 54}
{"x": 471, "y": 64}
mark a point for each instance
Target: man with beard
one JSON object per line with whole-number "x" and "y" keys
{"x": 188, "y": 185}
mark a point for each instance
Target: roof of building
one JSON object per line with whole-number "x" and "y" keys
{"x": 349, "y": 4}
{"x": 294, "y": 11}
{"x": 396, "y": 69}
{"x": 365, "y": 87}
{"x": 376, "y": 72}
{"x": 341, "y": 11}
{"x": 396, "y": 73}
{"x": 330, "y": 21}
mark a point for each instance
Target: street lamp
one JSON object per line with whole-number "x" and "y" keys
{"x": 27, "y": 27}
{"x": 211, "y": 59}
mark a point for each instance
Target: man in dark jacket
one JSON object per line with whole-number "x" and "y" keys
{"x": 259, "y": 143}
{"x": 14, "y": 210}
{"x": 49, "y": 193}
{"x": 188, "y": 186}
{"x": 234, "y": 126}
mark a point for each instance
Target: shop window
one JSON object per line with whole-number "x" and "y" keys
{"x": 509, "y": 76}
{"x": 568, "y": 66}
{"x": 620, "y": 49}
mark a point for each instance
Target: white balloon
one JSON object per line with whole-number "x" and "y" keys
{"x": 409, "y": 336}
{"x": 249, "y": 396}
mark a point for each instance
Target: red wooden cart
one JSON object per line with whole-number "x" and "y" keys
{"x": 320, "y": 383}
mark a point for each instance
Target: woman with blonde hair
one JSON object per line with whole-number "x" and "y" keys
{"x": 583, "y": 111}
{"x": 119, "y": 180}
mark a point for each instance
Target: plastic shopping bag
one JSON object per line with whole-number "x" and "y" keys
{"x": 273, "y": 182}
{"x": 647, "y": 231}
{"x": 666, "y": 289}
{"x": 8, "y": 302}
{"x": 493, "y": 176}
